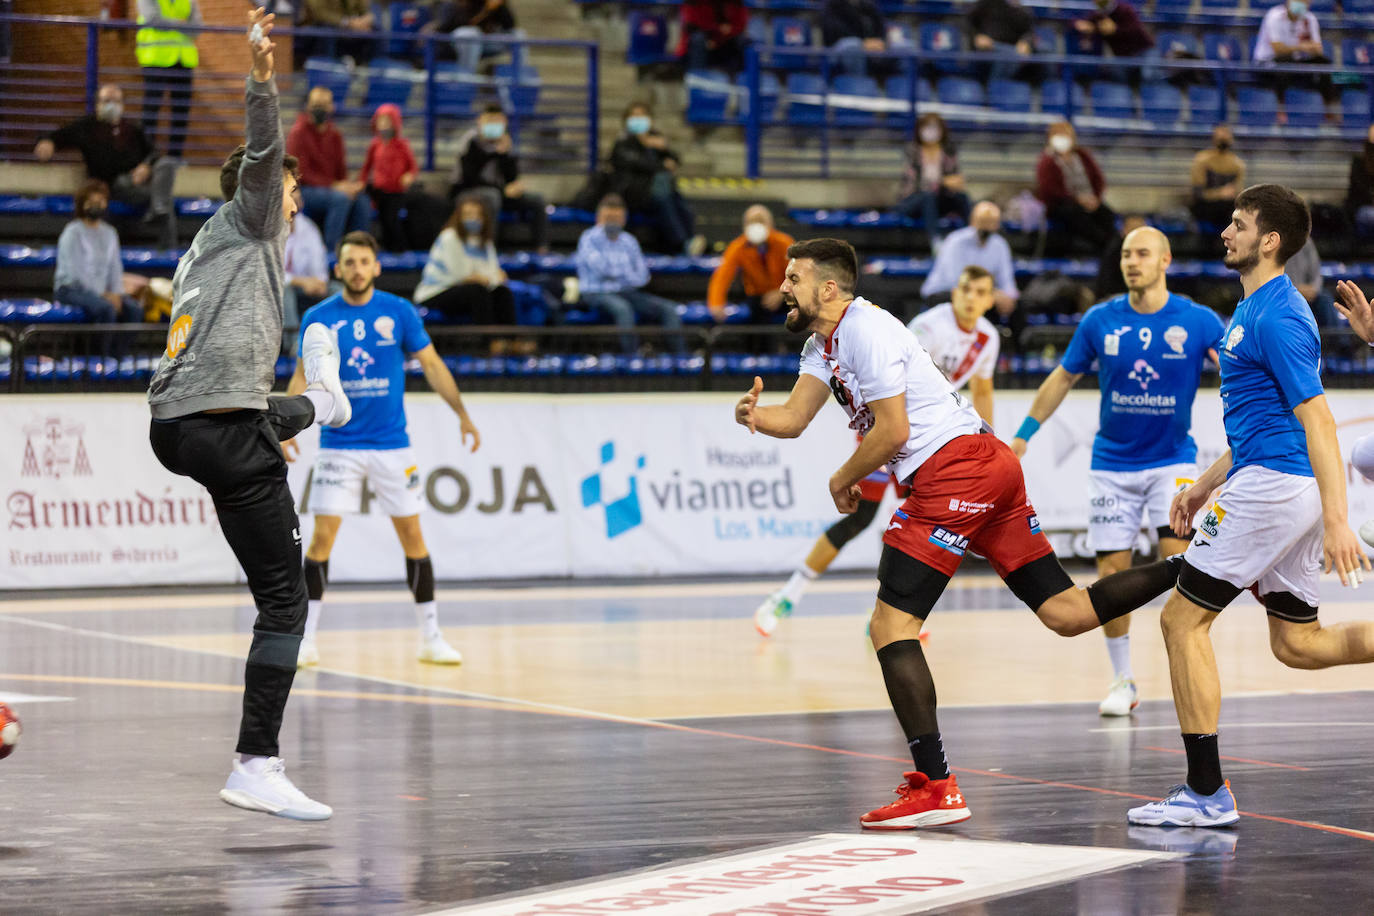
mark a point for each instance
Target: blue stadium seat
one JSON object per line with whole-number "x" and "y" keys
{"x": 1257, "y": 107}
{"x": 769, "y": 90}
{"x": 1357, "y": 53}
{"x": 1052, "y": 99}
{"x": 648, "y": 39}
{"x": 1224, "y": 48}
{"x": 39, "y": 311}
{"x": 808, "y": 112}
{"x": 959, "y": 90}
{"x": 1304, "y": 107}
{"x": 1112, "y": 100}
{"x": 454, "y": 90}
{"x": 1319, "y": 6}
{"x": 1047, "y": 40}
{"x": 707, "y": 104}
{"x": 1009, "y": 95}
{"x": 15, "y": 204}
{"x": 861, "y": 86}
{"x": 789, "y": 32}
{"x": 899, "y": 87}
{"x": 519, "y": 94}
{"x": 937, "y": 37}
{"x": 1355, "y": 108}
{"x": 1206, "y": 105}
{"x": 1172, "y": 6}
{"x": 389, "y": 83}
{"x": 1359, "y": 6}
{"x": 1161, "y": 103}
{"x": 407, "y": 18}
{"x": 330, "y": 73}
{"x": 198, "y": 206}
{"x": 1178, "y": 45}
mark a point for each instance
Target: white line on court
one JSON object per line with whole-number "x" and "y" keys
{"x": 1233, "y": 725}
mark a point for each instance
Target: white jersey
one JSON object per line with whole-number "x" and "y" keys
{"x": 871, "y": 356}
{"x": 959, "y": 354}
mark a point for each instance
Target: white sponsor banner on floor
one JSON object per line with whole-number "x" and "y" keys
{"x": 854, "y": 875}
{"x": 581, "y": 485}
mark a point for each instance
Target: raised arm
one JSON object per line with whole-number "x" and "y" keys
{"x": 257, "y": 205}
{"x": 786, "y": 420}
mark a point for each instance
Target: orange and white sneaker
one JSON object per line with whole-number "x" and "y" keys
{"x": 921, "y": 802}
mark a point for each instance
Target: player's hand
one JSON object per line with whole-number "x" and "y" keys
{"x": 1352, "y": 303}
{"x": 1341, "y": 551}
{"x": 846, "y": 497}
{"x": 260, "y": 41}
{"x": 468, "y": 428}
{"x": 1018, "y": 447}
{"x": 290, "y": 450}
{"x": 1187, "y": 503}
{"x": 744, "y": 409}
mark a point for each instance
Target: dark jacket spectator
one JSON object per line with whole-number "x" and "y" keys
{"x": 1071, "y": 184}
{"x": 1006, "y": 22}
{"x": 644, "y": 172}
{"x": 354, "y": 21}
{"x": 487, "y": 167}
{"x": 852, "y": 29}
{"x": 1359, "y": 195}
{"x": 457, "y": 14}
{"x": 713, "y": 34}
{"x": 1217, "y": 176}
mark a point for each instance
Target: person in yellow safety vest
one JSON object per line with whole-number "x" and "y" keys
{"x": 168, "y": 57}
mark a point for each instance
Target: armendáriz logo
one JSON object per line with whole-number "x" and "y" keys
{"x": 60, "y": 450}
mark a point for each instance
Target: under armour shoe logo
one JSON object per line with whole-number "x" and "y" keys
{"x": 955, "y": 799}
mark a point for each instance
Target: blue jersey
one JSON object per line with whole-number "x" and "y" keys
{"x": 1270, "y": 363}
{"x": 1148, "y": 367}
{"x": 374, "y": 341}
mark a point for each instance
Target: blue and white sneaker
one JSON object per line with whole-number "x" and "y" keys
{"x": 769, "y": 614}
{"x": 1185, "y": 808}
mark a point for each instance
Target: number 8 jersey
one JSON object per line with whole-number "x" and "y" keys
{"x": 1148, "y": 368}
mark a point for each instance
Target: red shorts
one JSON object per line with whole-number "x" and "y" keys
{"x": 970, "y": 495}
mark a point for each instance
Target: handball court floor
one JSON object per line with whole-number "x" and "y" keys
{"x": 600, "y": 731}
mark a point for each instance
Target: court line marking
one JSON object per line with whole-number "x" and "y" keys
{"x": 1231, "y": 725}
{"x": 535, "y": 706}
{"x": 1263, "y": 763}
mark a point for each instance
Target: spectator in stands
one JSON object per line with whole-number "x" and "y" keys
{"x": 1218, "y": 175}
{"x": 466, "y": 21}
{"x": 352, "y": 19}
{"x": 487, "y": 167}
{"x": 1359, "y": 195}
{"x": 713, "y": 34}
{"x": 979, "y": 244}
{"x": 852, "y": 29}
{"x": 1071, "y": 185}
{"x": 1004, "y": 26}
{"x": 1305, "y": 270}
{"x": 612, "y": 274}
{"x": 168, "y": 58}
{"x": 306, "y": 263}
{"x": 644, "y": 174}
{"x": 760, "y": 255}
{"x": 463, "y": 278}
{"x": 331, "y": 198}
{"x": 90, "y": 267}
{"x": 117, "y": 152}
{"x": 932, "y": 185}
{"x": 1117, "y": 25}
{"x": 389, "y": 171}
{"x": 1289, "y": 34}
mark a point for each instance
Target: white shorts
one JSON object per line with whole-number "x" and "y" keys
{"x": 1123, "y": 501}
{"x": 337, "y": 486}
{"x": 1264, "y": 528}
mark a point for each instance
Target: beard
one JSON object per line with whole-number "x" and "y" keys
{"x": 1242, "y": 262}
{"x": 358, "y": 289}
{"x": 804, "y": 316}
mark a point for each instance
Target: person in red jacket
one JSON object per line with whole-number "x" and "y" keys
{"x": 331, "y": 199}
{"x": 389, "y": 169}
{"x": 1069, "y": 182}
{"x": 713, "y": 34}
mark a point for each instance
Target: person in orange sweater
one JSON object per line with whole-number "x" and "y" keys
{"x": 760, "y": 253}
{"x": 389, "y": 169}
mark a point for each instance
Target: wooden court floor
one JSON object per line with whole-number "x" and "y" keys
{"x": 597, "y": 730}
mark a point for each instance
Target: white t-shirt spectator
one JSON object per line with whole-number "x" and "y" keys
{"x": 1276, "y": 26}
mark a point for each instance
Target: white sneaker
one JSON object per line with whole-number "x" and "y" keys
{"x": 309, "y": 654}
{"x": 320, "y": 352}
{"x": 435, "y": 650}
{"x": 1121, "y": 699}
{"x": 269, "y": 790}
{"x": 774, "y": 608}
{"x": 1367, "y": 532}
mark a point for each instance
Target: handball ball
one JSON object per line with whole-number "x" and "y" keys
{"x": 9, "y": 731}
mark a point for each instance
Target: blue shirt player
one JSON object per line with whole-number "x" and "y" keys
{"x": 377, "y": 333}
{"x": 1149, "y": 347}
{"x": 1281, "y": 512}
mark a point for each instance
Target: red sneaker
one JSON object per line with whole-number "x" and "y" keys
{"x": 922, "y": 802}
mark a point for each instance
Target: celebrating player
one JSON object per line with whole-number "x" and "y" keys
{"x": 213, "y": 421}
{"x": 381, "y": 332}
{"x": 964, "y": 345}
{"x": 1149, "y": 346}
{"x": 967, "y": 493}
{"x": 1281, "y": 514}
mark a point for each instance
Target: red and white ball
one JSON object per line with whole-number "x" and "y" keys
{"x": 9, "y": 731}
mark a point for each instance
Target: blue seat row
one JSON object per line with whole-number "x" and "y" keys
{"x": 61, "y": 205}
{"x": 391, "y": 81}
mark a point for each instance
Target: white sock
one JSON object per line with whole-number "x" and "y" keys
{"x": 253, "y": 763}
{"x": 427, "y": 613}
{"x": 323, "y": 401}
{"x": 312, "y": 618}
{"x": 1119, "y": 650}
{"x": 796, "y": 586}
{"x": 1362, "y": 457}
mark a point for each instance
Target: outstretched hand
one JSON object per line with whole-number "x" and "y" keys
{"x": 1351, "y": 302}
{"x": 1187, "y": 503}
{"x": 260, "y": 41}
{"x": 744, "y": 409}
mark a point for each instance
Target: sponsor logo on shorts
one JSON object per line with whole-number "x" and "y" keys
{"x": 954, "y": 543}
{"x": 412, "y": 477}
{"x": 964, "y": 505}
{"x": 1212, "y": 520}
{"x": 1182, "y": 483}
{"x": 1034, "y": 521}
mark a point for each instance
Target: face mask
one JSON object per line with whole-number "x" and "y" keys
{"x": 472, "y": 227}
{"x": 110, "y": 112}
{"x": 1297, "y": 8}
{"x": 930, "y": 134}
{"x": 95, "y": 211}
{"x": 613, "y": 230}
{"x": 984, "y": 235}
{"x": 638, "y": 124}
{"x": 1223, "y": 145}
{"x": 1061, "y": 143}
{"x": 387, "y": 133}
{"x": 756, "y": 233}
{"x": 319, "y": 115}
{"x": 493, "y": 130}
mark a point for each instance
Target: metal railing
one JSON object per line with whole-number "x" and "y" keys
{"x": 553, "y": 125}
{"x": 777, "y": 145}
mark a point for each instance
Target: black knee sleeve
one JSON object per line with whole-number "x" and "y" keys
{"x": 1205, "y": 591}
{"x": 843, "y": 531}
{"x": 908, "y": 584}
{"x": 420, "y": 578}
{"x": 316, "y": 578}
{"x": 1288, "y": 606}
{"x": 1167, "y": 531}
{"x": 1038, "y": 581}
{"x": 290, "y": 415}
